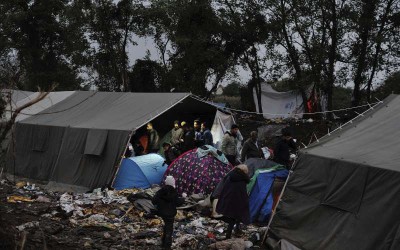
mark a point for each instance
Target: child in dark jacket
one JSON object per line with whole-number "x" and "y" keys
{"x": 166, "y": 200}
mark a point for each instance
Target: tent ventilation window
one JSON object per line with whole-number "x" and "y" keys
{"x": 345, "y": 187}
{"x": 95, "y": 142}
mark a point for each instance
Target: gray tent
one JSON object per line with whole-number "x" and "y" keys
{"x": 344, "y": 192}
{"x": 80, "y": 140}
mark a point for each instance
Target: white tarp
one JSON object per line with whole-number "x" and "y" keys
{"x": 16, "y": 95}
{"x": 222, "y": 123}
{"x": 278, "y": 104}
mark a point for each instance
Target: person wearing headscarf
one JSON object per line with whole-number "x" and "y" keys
{"x": 233, "y": 202}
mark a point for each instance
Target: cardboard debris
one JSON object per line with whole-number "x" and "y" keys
{"x": 17, "y": 198}
{"x": 20, "y": 184}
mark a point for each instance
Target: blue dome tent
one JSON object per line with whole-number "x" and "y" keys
{"x": 140, "y": 172}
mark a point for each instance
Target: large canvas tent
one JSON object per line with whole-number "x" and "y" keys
{"x": 80, "y": 140}
{"x": 344, "y": 191}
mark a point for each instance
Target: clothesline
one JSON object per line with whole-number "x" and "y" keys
{"x": 278, "y": 115}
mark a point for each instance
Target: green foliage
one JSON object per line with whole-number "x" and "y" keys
{"x": 232, "y": 89}
{"x": 325, "y": 43}
{"x": 48, "y": 41}
{"x": 341, "y": 97}
{"x": 193, "y": 29}
{"x": 146, "y": 76}
{"x": 390, "y": 86}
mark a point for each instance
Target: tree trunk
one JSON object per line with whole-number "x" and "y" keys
{"x": 379, "y": 39}
{"x": 365, "y": 26}
{"x": 258, "y": 79}
{"x": 332, "y": 59}
{"x": 294, "y": 58}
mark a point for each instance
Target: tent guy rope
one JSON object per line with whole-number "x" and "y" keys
{"x": 294, "y": 115}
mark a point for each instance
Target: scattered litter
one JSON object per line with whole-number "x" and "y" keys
{"x": 97, "y": 218}
{"x": 107, "y": 235}
{"x": 27, "y": 225}
{"x": 118, "y": 219}
{"x": 16, "y": 198}
{"x": 20, "y": 184}
{"x": 30, "y": 187}
{"x": 43, "y": 199}
{"x": 154, "y": 222}
{"x": 234, "y": 244}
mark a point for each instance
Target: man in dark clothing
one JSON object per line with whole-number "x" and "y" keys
{"x": 188, "y": 138}
{"x": 198, "y": 140}
{"x": 229, "y": 144}
{"x": 170, "y": 152}
{"x": 138, "y": 149}
{"x": 282, "y": 148}
{"x": 166, "y": 200}
{"x": 206, "y": 135}
{"x": 176, "y": 135}
{"x": 154, "y": 139}
{"x": 251, "y": 148}
{"x": 233, "y": 200}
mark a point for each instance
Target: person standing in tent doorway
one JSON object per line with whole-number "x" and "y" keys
{"x": 251, "y": 148}
{"x": 206, "y": 135}
{"x": 229, "y": 144}
{"x": 188, "y": 137}
{"x": 176, "y": 135}
{"x": 233, "y": 202}
{"x": 166, "y": 200}
{"x": 153, "y": 139}
{"x": 282, "y": 148}
{"x": 198, "y": 140}
{"x": 170, "y": 152}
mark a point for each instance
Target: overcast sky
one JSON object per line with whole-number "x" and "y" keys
{"x": 139, "y": 51}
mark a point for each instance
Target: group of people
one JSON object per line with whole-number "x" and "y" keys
{"x": 232, "y": 203}
{"x": 230, "y": 196}
{"x": 183, "y": 138}
{"x": 252, "y": 149}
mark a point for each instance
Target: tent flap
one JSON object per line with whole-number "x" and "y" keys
{"x": 345, "y": 187}
{"x": 95, "y": 141}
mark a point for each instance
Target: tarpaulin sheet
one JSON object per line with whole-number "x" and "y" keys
{"x": 260, "y": 199}
{"x": 278, "y": 104}
{"x": 107, "y": 110}
{"x": 344, "y": 190}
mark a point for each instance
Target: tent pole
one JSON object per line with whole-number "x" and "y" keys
{"x": 279, "y": 200}
{"x": 122, "y": 157}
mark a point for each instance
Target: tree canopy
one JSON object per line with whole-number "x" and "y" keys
{"x": 201, "y": 44}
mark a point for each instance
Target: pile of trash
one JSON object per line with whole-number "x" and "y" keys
{"x": 112, "y": 219}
